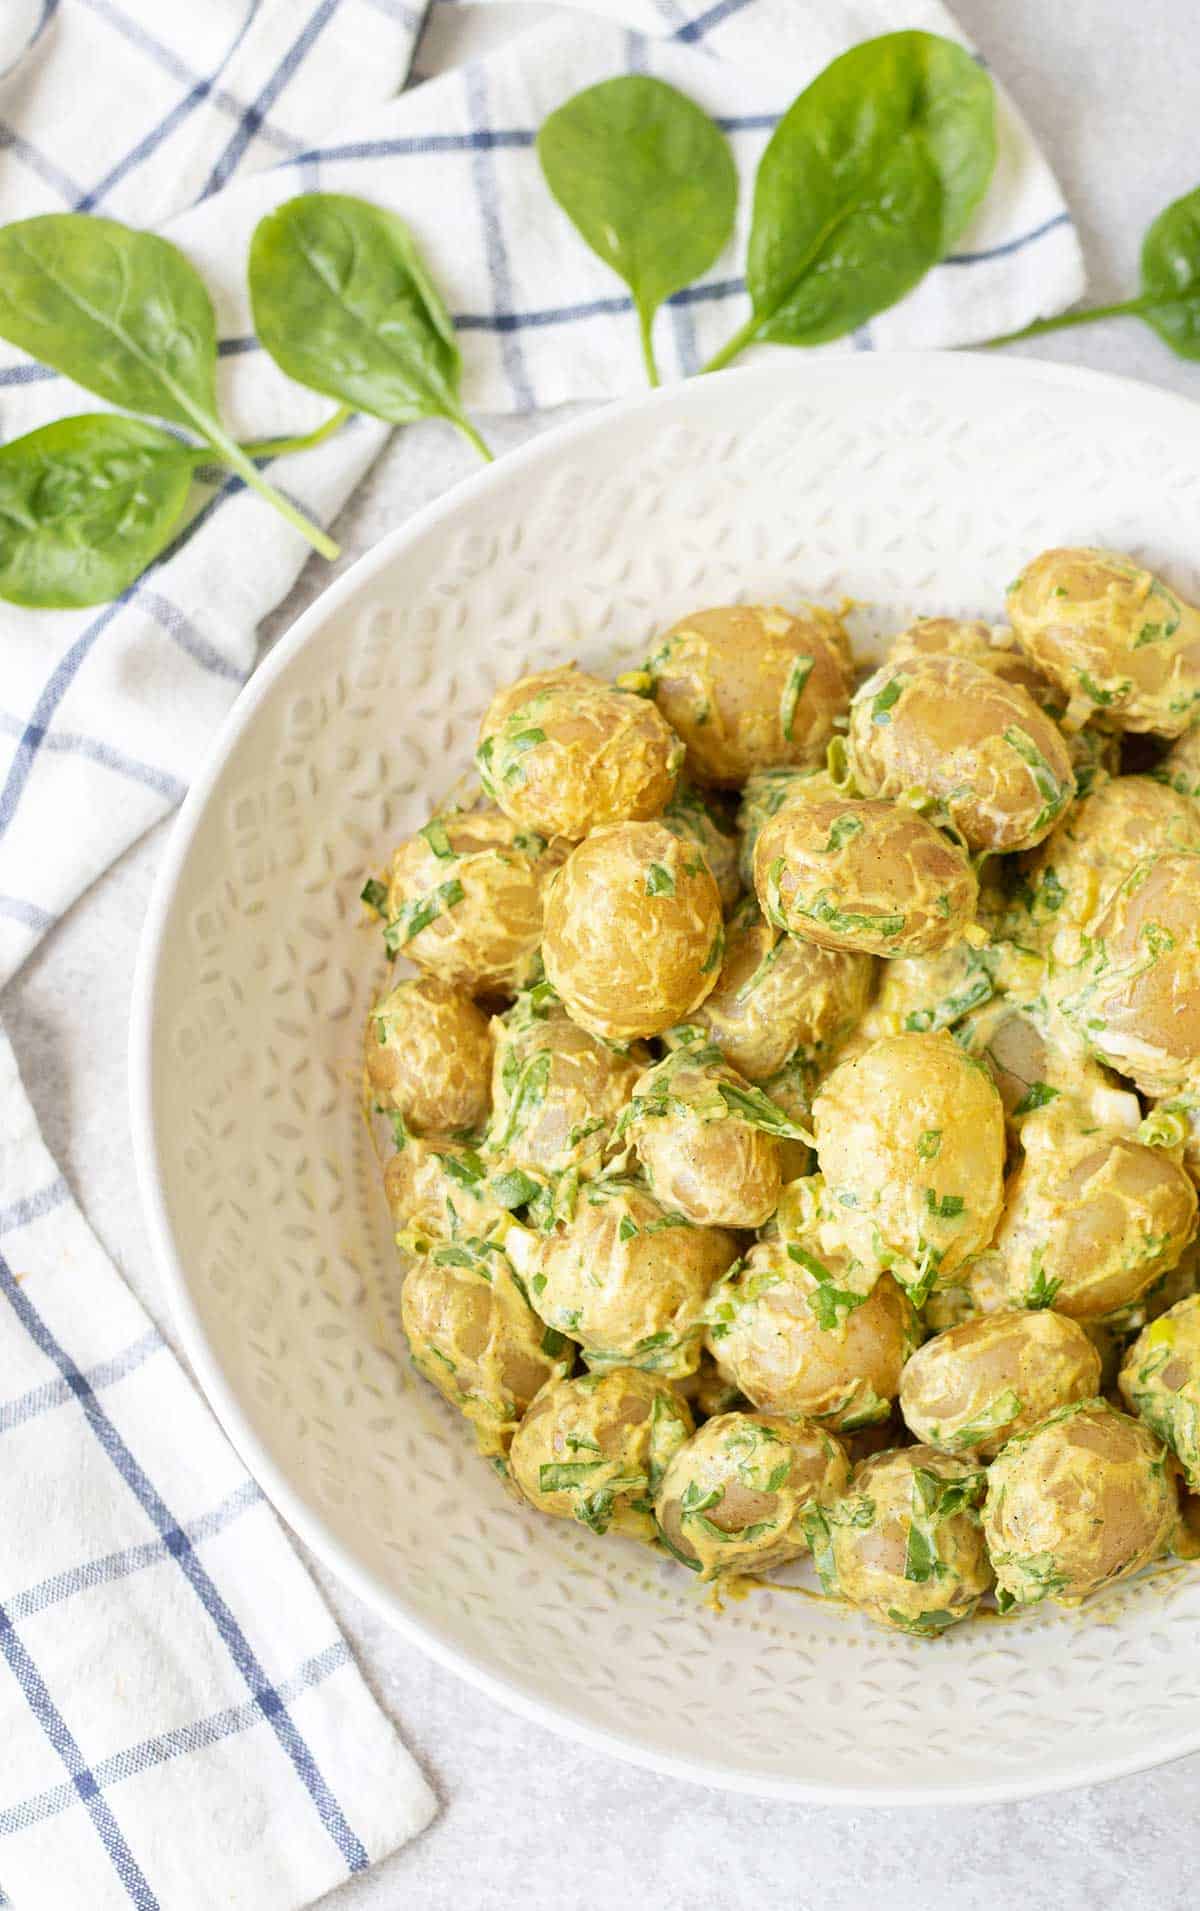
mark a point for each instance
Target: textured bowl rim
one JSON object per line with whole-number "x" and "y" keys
{"x": 1028, "y": 378}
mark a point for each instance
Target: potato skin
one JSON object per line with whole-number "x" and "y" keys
{"x": 910, "y": 1138}
{"x": 474, "y": 1336}
{"x": 732, "y": 1499}
{"x": 437, "y": 1190}
{"x": 978, "y": 744}
{"x": 466, "y": 900}
{"x": 428, "y": 1057}
{"x": 633, "y": 934}
{"x": 555, "y": 1115}
{"x": 749, "y": 687}
{"x": 563, "y": 752}
{"x": 1137, "y": 1001}
{"x": 1075, "y": 872}
{"x": 860, "y": 873}
{"x": 1113, "y": 637}
{"x": 970, "y": 1389}
{"x": 594, "y": 1449}
{"x": 628, "y": 1278}
{"x": 1080, "y": 1501}
{"x": 767, "y": 1337}
{"x": 904, "y": 1544}
{"x": 776, "y": 994}
{"x": 700, "y": 1156}
{"x": 1090, "y": 1220}
{"x": 1160, "y": 1382}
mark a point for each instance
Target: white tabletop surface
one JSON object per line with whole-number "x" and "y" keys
{"x": 530, "y": 1820}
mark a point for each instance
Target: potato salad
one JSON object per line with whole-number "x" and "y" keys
{"x": 787, "y": 1096}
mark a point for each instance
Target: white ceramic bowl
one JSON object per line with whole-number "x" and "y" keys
{"x": 912, "y": 484}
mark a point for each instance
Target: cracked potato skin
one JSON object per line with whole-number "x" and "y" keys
{"x": 594, "y": 1449}
{"x": 979, "y": 745}
{"x": 634, "y": 934}
{"x": 474, "y": 1336}
{"x": 628, "y": 1278}
{"x": 904, "y": 1544}
{"x": 556, "y": 1114}
{"x": 861, "y": 873}
{"x": 1117, "y": 642}
{"x": 1136, "y": 997}
{"x": 970, "y": 1389}
{"x": 776, "y": 995}
{"x": 732, "y": 1500}
{"x": 767, "y": 1336}
{"x": 699, "y": 1155}
{"x": 1090, "y": 1220}
{"x": 466, "y": 900}
{"x": 428, "y": 1057}
{"x": 1075, "y": 873}
{"x": 563, "y": 752}
{"x": 910, "y": 1139}
{"x": 1080, "y": 1501}
{"x": 750, "y": 687}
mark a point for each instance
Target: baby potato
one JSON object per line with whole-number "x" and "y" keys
{"x": 732, "y": 1499}
{"x": 775, "y": 995}
{"x": 1112, "y": 637}
{"x": 428, "y": 1056}
{"x": 904, "y": 1544}
{"x": 1077, "y": 869}
{"x": 466, "y": 899}
{"x": 1138, "y": 1003}
{"x": 858, "y": 873}
{"x": 595, "y": 1449}
{"x": 1077, "y": 1502}
{"x": 991, "y": 647}
{"x": 749, "y": 687}
{"x": 556, "y": 1090}
{"x": 437, "y": 1192}
{"x": 1095, "y": 754}
{"x": 1160, "y": 1382}
{"x": 689, "y": 817}
{"x": 975, "y": 1386}
{"x": 996, "y": 764}
{"x": 562, "y": 753}
{"x": 790, "y": 1332}
{"x": 910, "y": 1138}
{"x": 707, "y": 1141}
{"x": 634, "y": 935}
{"x": 1091, "y": 1220}
{"x": 1037, "y": 1057}
{"x": 628, "y": 1278}
{"x": 474, "y": 1336}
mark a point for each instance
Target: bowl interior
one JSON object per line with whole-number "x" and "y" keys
{"x": 912, "y": 485}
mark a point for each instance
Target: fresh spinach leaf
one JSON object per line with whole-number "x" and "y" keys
{"x": 1171, "y": 275}
{"x": 85, "y": 504}
{"x": 343, "y": 303}
{"x": 649, "y": 182}
{"x": 1170, "y": 296}
{"x": 865, "y": 184}
{"x": 127, "y": 316}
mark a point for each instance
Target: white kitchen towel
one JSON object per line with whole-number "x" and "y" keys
{"x": 181, "y": 1724}
{"x": 105, "y": 714}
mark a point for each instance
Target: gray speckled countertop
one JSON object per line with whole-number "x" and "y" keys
{"x": 529, "y": 1819}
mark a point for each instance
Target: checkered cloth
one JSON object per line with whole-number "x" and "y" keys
{"x": 182, "y": 1725}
